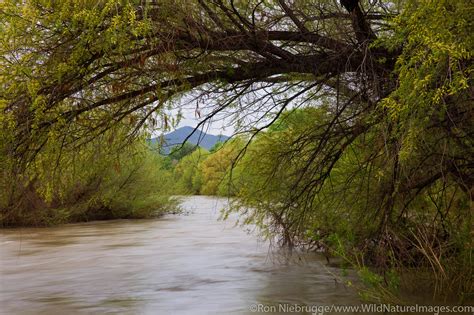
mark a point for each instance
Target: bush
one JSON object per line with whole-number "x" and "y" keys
{"x": 285, "y": 187}
{"x": 100, "y": 180}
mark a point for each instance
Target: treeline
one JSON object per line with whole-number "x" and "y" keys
{"x": 200, "y": 172}
{"x": 101, "y": 179}
{"x": 105, "y": 179}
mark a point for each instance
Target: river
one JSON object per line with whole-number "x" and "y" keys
{"x": 188, "y": 263}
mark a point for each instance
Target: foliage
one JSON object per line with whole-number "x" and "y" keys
{"x": 179, "y": 151}
{"x": 346, "y": 213}
{"x": 188, "y": 179}
{"x": 215, "y": 169}
{"x": 86, "y": 66}
{"x": 208, "y": 173}
{"x": 97, "y": 181}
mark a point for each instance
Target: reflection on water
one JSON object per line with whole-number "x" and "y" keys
{"x": 177, "y": 264}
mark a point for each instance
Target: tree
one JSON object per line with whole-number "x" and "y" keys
{"x": 84, "y": 67}
{"x": 179, "y": 151}
{"x": 216, "y": 167}
{"x": 187, "y": 175}
{"x": 101, "y": 180}
{"x": 395, "y": 78}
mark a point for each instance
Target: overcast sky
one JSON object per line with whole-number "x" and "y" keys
{"x": 189, "y": 117}
{"x": 219, "y": 126}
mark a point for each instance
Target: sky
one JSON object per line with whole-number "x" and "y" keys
{"x": 254, "y": 109}
{"x": 190, "y": 117}
{"x": 216, "y": 127}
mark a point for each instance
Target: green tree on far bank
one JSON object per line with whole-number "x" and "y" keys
{"x": 188, "y": 179}
{"x": 216, "y": 168}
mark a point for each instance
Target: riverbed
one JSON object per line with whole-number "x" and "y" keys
{"x": 189, "y": 263}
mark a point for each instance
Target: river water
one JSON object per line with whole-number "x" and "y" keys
{"x": 189, "y": 263}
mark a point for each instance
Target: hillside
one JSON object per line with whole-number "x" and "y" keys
{"x": 198, "y": 137}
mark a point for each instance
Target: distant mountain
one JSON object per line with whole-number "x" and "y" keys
{"x": 177, "y": 137}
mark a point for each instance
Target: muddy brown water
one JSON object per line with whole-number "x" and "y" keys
{"x": 177, "y": 264}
